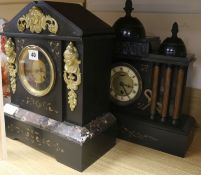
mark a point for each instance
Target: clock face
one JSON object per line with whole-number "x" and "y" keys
{"x": 126, "y": 84}
{"x": 36, "y": 70}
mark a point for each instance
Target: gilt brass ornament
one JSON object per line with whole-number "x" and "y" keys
{"x": 12, "y": 67}
{"x": 72, "y": 75}
{"x": 36, "y": 21}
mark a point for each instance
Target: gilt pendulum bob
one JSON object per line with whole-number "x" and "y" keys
{"x": 147, "y": 90}
{"x": 56, "y": 62}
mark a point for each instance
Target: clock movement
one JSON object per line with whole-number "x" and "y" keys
{"x": 57, "y": 54}
{"x": 148, "y": 86}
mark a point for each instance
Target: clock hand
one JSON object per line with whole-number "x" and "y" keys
{"x": 123, "y": 86}
{"x": 128, "y": 86}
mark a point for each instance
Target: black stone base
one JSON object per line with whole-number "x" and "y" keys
{"x": 154, "y": 134}
{"x": 78, "y": 151}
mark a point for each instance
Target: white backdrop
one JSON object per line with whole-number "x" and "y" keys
{"x": 156, "y": 6}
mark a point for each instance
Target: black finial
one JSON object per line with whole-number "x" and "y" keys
{"x": 128, "y": 7}
{"x": 173, "y": 46}
{"x": 175, "y": 29}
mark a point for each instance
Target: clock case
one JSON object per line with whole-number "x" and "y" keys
{"x": 93, "y": 40}
{"x": 156, "y": 118}
{"x": 134, "y": 120}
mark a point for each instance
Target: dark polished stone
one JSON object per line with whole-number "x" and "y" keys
{"x": 173, "y": 46}
{"x": 72, "y": 145}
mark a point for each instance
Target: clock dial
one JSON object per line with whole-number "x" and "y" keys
{"x": 125, "y": 85}
{"x": 36, "y": 70}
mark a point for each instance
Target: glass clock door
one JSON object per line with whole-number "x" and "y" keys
{"x": 36, "y": 70}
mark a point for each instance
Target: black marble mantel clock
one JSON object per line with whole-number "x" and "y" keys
{"x": 59, "y": 67}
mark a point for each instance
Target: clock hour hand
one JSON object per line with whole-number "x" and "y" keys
{"x": 128, "y": 86}
{"x": 123, "y": 84}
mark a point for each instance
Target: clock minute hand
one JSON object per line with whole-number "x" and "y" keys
{"x": 123, "y": 86}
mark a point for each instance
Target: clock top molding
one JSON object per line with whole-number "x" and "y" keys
{"x": 55, "y": 19}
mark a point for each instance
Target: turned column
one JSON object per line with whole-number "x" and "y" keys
{"x": 156, "y": 71}
{"x": 178, "y": 95}
{"x": 166, "y": 94}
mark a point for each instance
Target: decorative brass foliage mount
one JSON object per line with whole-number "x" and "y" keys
{"x": 36, "y": 21}
{"x": 72, "y": 75}
{"x": 12, "y": 66}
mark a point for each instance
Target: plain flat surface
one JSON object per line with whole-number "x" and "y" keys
{"x": 124, "y": 159}
{"x": 3, "y": 151}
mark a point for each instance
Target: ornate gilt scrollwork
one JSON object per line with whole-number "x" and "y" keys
{"x": 36, "y": 21}
{"x": 72, "y": 75}
{"x": 12, "y": 67}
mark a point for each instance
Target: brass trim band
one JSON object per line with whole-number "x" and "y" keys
{"x": 33, "y": 91}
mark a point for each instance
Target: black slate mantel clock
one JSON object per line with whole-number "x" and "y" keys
{"x": 147, "y": 89}
{"x": 58, "y": 58}
{"x": 52, "y": 62}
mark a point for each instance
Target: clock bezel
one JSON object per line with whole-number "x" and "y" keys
{"x": 131, "y": 101}
{"x": 30, "y": 89}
